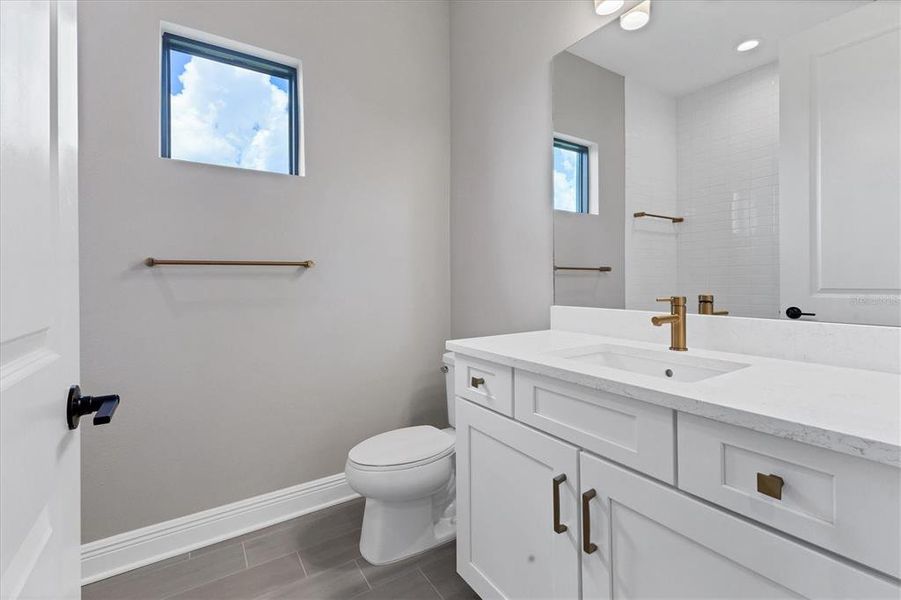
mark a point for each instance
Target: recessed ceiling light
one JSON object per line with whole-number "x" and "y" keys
{"x": 636, "y": 18}
{"x": 607, "y": 7}
{"x": 747, "y": 45}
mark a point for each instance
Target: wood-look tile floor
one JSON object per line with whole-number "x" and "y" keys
{"x": 313, "y": 556}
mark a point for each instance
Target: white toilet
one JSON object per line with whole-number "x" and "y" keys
{"x": 407, "y": 477}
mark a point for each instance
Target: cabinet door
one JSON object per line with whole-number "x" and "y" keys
{"x": 507, "y": 543}
{"x": 654, "y": 541}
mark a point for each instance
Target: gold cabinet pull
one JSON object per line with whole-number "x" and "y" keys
{"x": 770, "y": 485}
{"x": 558, "y": 526}
{"x": 477, "y": 381}
{"x": 587, "y": 546}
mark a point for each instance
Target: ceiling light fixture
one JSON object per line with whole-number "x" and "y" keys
{"x": 636, "y": 18}
{"x": 747, "y": 45}
{"x": 607, "y": 7}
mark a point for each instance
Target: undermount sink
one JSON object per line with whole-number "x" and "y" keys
{"x": 664, "y": 364}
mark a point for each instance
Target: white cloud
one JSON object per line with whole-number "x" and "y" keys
{"x": 230, "y": 116}
{"x": 564, "y": 180}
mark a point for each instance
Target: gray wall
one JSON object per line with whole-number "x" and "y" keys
{"x": 240, "y": 381}
{"x": 501, "y": 214}
{"x": 589, "y": 103}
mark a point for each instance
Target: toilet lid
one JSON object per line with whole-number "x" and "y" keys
{"x": 402, "y": 446}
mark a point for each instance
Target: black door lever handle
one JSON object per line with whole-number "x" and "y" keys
{"x": 793, "y": 312}
{"x": 78, "y": 406}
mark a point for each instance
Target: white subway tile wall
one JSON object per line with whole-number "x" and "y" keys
{"x": 651, "y": 180}
{"x": 728, "y": 192}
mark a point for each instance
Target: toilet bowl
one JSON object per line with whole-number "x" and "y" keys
{"x": 408, "y": 479}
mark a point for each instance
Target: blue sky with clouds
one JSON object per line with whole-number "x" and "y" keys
{"x": 226, "y": 115}
{"x": 565, "y": 167}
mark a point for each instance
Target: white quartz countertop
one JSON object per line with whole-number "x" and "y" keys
{"x": 853, "y": 411}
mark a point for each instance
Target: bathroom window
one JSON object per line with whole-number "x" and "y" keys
{"x": 224, "y": 107}
{"x": 571, "y": 191}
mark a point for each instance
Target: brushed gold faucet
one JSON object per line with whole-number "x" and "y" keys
{"x": 676, "y": 319}
{"x": 705, "y": 306}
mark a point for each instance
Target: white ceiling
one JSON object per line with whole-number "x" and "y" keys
{"x": 690, "y": 44}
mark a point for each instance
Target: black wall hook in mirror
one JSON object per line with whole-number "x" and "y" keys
{"x": 78, "y": 406}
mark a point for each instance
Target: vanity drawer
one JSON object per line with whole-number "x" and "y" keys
{"x": 845, "y": 504}
{"x": 633, "y": 433}
{"x": 485, "y": 383}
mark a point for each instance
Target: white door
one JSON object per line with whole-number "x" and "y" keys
{"x": 840, "y": 168}
{"x": 652, "y": 541}
{"x": 509, "y": 543}
{"x": 39, "y": 456}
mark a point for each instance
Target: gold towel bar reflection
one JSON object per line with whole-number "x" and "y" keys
{"x": 646, "y": 214}
{"x": 600, "y": 269}
{"x": 153, "y": 262}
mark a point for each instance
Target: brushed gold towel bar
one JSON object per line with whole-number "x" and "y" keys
{"x": 599, "y": 269}
{"x": 154, "y": 262}
{"x": 646, "y": 214}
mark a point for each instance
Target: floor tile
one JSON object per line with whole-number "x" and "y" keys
{"x": 331, "y": 553}
{"x": 249, "y": 583}
{"x": 445, "y": 552}
{"x": 303, "y": 532}
{"x": 171, "y": 579}
{"x": 441, "y": 571}
{"x": 377, "y": 575}
{"x": 340, "y": 583}
{"x": 313, "y": 556}
{"x": 411, "y": 586}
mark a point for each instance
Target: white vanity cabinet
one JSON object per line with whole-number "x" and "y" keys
{"x": 507, "y": 542}
{"x": 654, "y": 541}
{"x": 485, "y": 383}
{"x": 618, "y": 524}
{"x": 836, "y": 501}
{"x": 633, "y": 433}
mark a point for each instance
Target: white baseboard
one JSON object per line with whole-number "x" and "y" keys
{"x": 132, "y": 549}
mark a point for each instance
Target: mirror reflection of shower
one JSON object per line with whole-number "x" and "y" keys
{"x": 668, "y": 159}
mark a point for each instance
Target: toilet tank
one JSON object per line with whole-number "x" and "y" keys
{"x": 448, "y": 369}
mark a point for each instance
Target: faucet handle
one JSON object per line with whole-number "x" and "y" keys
{"x": 673, "y": 300}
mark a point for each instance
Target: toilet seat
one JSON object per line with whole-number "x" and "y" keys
{"x": 399, "y": 449}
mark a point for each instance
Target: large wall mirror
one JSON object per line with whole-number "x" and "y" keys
{"x": 746, "y": 150}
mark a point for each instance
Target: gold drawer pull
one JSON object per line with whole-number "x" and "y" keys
{"x": 477, "y": 381}
{"x": 770, "y": 485}
{"x": 558, "y": 481}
